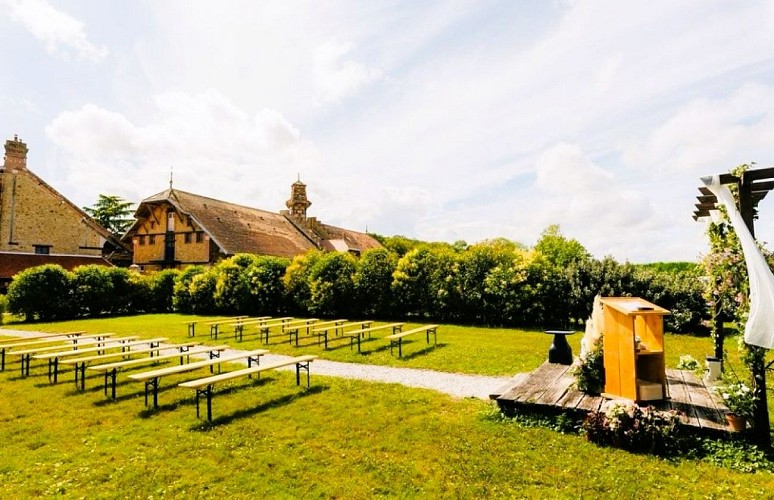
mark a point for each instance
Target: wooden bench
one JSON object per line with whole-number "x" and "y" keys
{"x": 153, "y": 351}
{"x": 203, "y": 386}
{"x": 124, "y": 343}
{"x": 239, "y": 326}
{"x": 110, "y": 370}
{"x": 40, "y": 339}
{"x": 321, "y": 329}
{"x": 151, "y": 378}
{"x": 397, "y": 338}
{"x": 357, "y": 335}
{"x": 37, "y": 336}
{"x": 216, "y": 323}
{"x": 264, "y": 328}
{"x": 292, "y": 328}
{"x": 27, "y": 354}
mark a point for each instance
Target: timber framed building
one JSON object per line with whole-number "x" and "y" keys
{"x": 175, "y": 229}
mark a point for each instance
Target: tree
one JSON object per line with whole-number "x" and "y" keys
{"x": 112, "y": 212}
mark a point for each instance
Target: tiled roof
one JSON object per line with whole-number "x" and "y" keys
{"x": 236, "y": 228}
{"x": 239, "y": 229}
{"x": 12, "y": 263}
{"x": 353, "y": 239}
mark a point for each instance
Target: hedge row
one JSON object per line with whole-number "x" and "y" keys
{"x": 491, "y": 283}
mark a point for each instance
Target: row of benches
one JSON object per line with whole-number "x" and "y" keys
{"x": 203, "y": 386}
{"x": 321, "y": 329}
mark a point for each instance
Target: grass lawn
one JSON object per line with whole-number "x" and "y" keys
{"x": 342, "y": 438}
{"x": 461, "y": 349}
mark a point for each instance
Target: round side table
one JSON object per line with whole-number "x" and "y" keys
{"x": 560, "y": 351}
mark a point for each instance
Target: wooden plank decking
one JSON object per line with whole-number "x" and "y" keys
{"x": 549, "y": 388}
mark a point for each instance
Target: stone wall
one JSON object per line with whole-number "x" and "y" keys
{"x": 34, "y": 216}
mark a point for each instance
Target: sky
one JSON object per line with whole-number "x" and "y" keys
{"x": 441, "y": 121}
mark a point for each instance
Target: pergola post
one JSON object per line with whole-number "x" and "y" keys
{"x": 751, "y": 191}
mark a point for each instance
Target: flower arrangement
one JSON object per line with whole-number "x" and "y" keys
{"x": 738, "y": 397}
{"x": 625, "y": 425}
{"x": 589, "y": 372}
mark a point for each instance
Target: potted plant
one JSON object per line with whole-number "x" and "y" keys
{"x": 738, "y": 397}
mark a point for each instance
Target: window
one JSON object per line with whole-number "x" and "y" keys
{"x": 151, "y": 239}
{"x": 187, "y": 237}
{"x": 142, "y": 239}
{"x": 199, "y": 237}
{"x": 42, "y": 249}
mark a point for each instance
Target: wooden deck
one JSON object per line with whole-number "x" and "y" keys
{"x": 549, "y": 388}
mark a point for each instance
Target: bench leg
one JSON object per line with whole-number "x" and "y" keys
{"x": 400, "y": 347}
{"x": 325, "y": 336}
{"x": 299, "y": 367}
{"x": 208, "y": 393}
{"x": 192, "y": 329}
{"x": 83, "y": 375}
{"x": 2, "y": 361}
{"x": 153, "y": 384}
{"x": 104, "y": 386}
{"x": 56, "y": 370}
{"x": 213, "y": 355}
{"x": 113, "y": 374}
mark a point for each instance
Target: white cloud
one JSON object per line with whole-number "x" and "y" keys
{"x": 62, "y": 33}
{"x": 708, "y": 135}
{"x": 335, "y": 76}
{"x": 215, "y": 149}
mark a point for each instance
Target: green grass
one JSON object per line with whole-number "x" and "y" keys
{"x": 461, "y": 349}
{"x": 343, "y": 438}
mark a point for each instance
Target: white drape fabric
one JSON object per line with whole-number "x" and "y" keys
{"x": 759, "y": 329}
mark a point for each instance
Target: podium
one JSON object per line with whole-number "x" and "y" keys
{"x": 634, "y": 370}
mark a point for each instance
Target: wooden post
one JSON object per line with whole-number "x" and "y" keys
{"x": 761, "y": 426}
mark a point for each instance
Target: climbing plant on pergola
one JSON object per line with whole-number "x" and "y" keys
{"x": 750, "y": 186}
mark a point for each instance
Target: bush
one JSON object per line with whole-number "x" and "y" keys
{"x": 162, "y": 290}
{"x": 267, "y": 290}
{"x": 232, "y": 291}
{"x": 181, "y": 298}
{"x": 331, "y": 285}
{"x": 42, "y": 292}
{"x": 129, "y": 291}
{"x": 202, "y": 292}
{"x": 3, "y": 307}
{"x": 92, "y": 290}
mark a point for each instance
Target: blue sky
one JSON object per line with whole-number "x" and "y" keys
{"x": 436, "y": 120}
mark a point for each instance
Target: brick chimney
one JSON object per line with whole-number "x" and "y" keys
{"x": 15, "y": 154}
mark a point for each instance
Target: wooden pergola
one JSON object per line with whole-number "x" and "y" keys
{"x": 753, "y": 186}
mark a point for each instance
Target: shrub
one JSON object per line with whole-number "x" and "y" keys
{"x": 162, "y": 290}
{"x": 3, "y": 307}
{"x": 92, "y": 290}
{"x": 267, "y": 290}
{"x": 331, "y": 285}
{"x": 181, "y": 299}
{"x": 129, "y": 291}
{"x": 202, "y": 292}
{"x": 232, "y": 291}
{"x": 42, "y": 292}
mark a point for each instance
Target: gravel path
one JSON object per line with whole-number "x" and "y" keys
{"x": 455, "y": 384}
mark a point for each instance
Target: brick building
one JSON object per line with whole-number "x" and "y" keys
{"x": 38, "y": 225}
{"x": 175, "y": 229}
